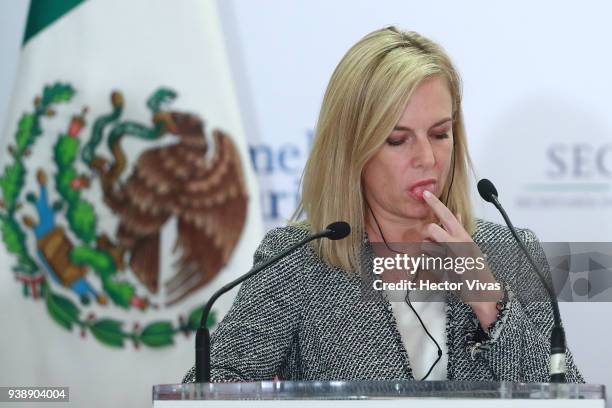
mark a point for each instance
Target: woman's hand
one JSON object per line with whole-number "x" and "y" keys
{"x": 451, "y": 231}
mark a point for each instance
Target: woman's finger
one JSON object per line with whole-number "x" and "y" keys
{"x": 435, "y": 233}
{"x": 444, "y": 214}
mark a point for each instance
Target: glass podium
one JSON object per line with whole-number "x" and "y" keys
{"x": 379, "y": 393}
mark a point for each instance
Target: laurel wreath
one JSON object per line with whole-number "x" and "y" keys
{"x": 82, "y": 223}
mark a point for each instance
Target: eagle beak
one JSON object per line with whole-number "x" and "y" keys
{"x": 167, "y": 120}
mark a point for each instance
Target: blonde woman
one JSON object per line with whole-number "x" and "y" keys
{"x": 390, "y": 158}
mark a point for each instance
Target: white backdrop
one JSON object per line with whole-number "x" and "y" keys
{"x": 536, "y": 101}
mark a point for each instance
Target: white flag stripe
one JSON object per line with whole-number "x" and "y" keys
{"x": 134, "y": 47}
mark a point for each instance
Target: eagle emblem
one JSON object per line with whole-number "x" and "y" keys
{"x": 187, "y": 173}
{"x": 205, "y": 192}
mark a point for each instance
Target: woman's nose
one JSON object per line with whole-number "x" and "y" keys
{"x": 423, "y": 153}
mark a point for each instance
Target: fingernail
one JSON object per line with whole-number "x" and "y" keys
{"x": 426, "y": 193}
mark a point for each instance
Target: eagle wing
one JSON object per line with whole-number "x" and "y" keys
{"x": 211, "y": 208}
{"x": 146, "y": 206}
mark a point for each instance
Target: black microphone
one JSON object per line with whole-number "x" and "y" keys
{"x": 334, "y": 231}
{"x": 557, "y": 369}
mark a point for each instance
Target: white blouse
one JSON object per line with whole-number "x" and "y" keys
{"x": 422, "y": 351}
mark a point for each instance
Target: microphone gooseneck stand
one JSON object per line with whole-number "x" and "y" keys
{"x": 334, "y": 231}
{"x": 557, "y": 369}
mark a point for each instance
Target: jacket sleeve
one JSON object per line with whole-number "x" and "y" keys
{"x": 520, "y": 337}
{"x": 252, "y": 341}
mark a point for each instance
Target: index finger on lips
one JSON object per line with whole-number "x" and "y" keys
{"x": 445, "y": 215}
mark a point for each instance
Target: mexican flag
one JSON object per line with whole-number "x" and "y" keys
{"x": 127, "y": 196}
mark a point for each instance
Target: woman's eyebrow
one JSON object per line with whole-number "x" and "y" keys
{"x": 438, "y": 123}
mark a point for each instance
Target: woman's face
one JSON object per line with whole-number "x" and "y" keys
{"x": 415, "y": 157}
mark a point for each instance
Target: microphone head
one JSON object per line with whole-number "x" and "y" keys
{"x": 487, "y": 190}
{"x": 338, "y": 230}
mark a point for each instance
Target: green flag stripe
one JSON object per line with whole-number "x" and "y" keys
{"x": 43, "y": 13}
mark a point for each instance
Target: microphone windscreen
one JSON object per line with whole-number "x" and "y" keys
{"x": 338, "y": 230}
{"x": 487, "y": 190}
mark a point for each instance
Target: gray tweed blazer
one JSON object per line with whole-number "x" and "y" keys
{"x": 305, "y": 320}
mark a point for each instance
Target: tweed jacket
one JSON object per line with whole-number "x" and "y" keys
{"x": 302, "y": 319}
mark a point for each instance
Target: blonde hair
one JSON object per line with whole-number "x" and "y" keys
{"x": 364, "y": 100}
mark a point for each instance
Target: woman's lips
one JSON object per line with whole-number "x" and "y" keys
{"x": 417, "y": 191}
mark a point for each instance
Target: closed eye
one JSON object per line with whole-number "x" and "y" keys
{"x": 395, "y": 142}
